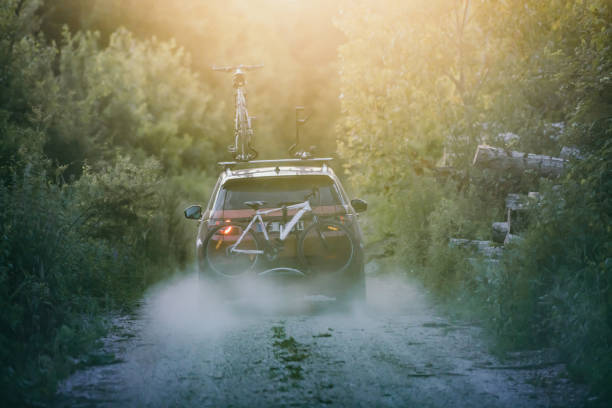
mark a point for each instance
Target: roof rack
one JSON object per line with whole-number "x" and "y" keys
{"x": 271, "y": 163}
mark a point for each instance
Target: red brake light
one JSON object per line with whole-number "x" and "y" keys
{"x": 227, "y": 230}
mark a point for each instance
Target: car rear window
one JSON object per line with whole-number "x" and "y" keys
{"x": 277, "y": 190}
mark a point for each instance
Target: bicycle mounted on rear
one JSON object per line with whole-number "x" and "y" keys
{"x": 324, "y": 246}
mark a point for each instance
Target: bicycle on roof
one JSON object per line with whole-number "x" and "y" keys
{"x": 243, "y": 130}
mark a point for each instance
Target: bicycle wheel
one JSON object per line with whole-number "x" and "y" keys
{"x": 225, "y": 262}
{"x": 326, "y": 247}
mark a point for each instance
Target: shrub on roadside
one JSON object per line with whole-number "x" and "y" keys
{"x": 559, "y": 279}
{"x": 51, "y": 276}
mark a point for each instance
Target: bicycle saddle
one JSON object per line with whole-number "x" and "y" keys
{"x": 255, "y": 205}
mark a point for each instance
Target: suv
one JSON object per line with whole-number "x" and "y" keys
{"x": 244, "y": 189}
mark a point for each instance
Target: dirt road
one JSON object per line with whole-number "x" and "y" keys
{"x": 185, "y": 347}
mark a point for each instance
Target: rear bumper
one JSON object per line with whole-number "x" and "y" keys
{"x": 289, "y": 270}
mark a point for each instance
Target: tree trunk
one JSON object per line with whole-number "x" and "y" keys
{"x": 485, "y": 248}
{"x": 499, "y": 159}
{"x": 512, "y": 238}
{"x": 570, "y": 153}
{"x": 499, "y": 232}
{"x": 516, "y": 202}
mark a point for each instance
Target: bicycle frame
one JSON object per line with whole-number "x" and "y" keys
{"x": 242, "y": 126}
{"x": 243, "y": 130}
{"x": 284, "y": 230}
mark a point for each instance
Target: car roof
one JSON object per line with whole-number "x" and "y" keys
{"x": 276, "y": 171}
{"x": 299, "y": 169}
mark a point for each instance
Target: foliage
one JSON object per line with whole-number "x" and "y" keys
{"x": 49, "y": 272}
{"x": 95, "y": 143}
{"x": 107, "y": 132}
{"x": 422, "y": 84}
{"x": 296, "y": 42}
{"x": 137, "y": 96}
{"x": 566, "y": 270}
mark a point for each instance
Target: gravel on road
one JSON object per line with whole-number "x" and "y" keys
{"x": 186, "y": 347}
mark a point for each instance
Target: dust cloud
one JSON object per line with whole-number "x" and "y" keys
{"x": 187, "y": 305}
{"x": 267, "y": 343}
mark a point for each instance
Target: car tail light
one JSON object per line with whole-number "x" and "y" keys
{"x": 227, "y": 230}
{"x": 345, "y": 219}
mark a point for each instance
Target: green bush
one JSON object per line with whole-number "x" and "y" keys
{"x": 52, "y": 274}
{"x": 563, "y": 269}
{"x": 94, "y": 142}
{"x": 69, "y": 252}
{"x": 530, "y": 76}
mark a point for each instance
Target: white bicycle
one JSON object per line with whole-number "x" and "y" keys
{"x": 243, "y": 130}
{"x": 324, "y": 246}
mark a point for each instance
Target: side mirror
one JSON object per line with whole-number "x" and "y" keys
{"x": 193, "y": 212}
{"x": 359, "y": 205}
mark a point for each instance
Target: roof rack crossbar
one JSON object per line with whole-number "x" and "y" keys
{"x": 275, "y": 162}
